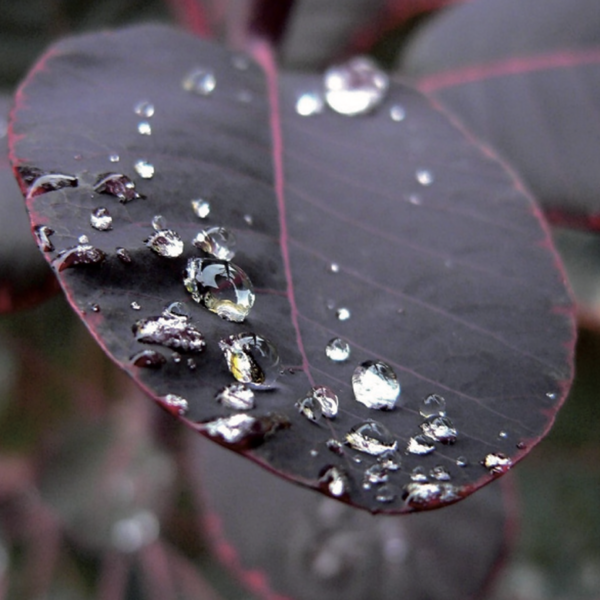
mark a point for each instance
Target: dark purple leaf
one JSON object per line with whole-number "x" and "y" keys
{"x": 283, "y": 541}
{"x": 524, "y": 75}
{"x": 438, "y": 255}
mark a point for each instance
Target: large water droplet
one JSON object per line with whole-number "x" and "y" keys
{"x": 144, "y": 109}
{"x": 319, "y": 402}
{"x": 309, "y": 104}
{"x": 334, "y": 481}
{"x": 251, "y": 359}
{"x": 118, "y": 185}
{"x": 420, "y": 445}
{"x": 375, "y": 385}
{"x": 176, "y": 403}
{"x": 169, "y": 330}
{"x": 166, "y": 242}
{"x": 338, "y": 350}
{"x": 236, "y": 396}
{"x": 39, "y": 182}
{"x": 497, "y": 463}
{"x": 144, "y": 128}
{"x": 82, "y": 254}
{"x": 199, "y": 81}
{"x": 144, "y": 168}
{"x": 375, "y": 475}
{"x": 433, "y": 406}
{"x": 123, "y": 255}
{"x": 371, "y": 437}
{"x": 217, "y": 241}
{"x": 220, "y": 286}
{"x": 355, "y": 87}
{"x": 427, "y": 494}
{"x": 440, "y": 429}
{"x": 440, "y": 473}
{"x": 101, "y": 220}
{"x": 149, "y": 359}
{"x": 201, "y": 208}
{"x": 244, "y": 430}
{"x": 42, "y": 235}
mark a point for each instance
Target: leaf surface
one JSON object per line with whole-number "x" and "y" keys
{"x": 453, "y": 283}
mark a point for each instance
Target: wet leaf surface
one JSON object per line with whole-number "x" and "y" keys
{"x": 397, "y": 235}
{"x": 524, "y": 76}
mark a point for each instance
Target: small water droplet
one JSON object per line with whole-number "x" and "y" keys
{"x": 319, "y": 402}
{"x": 521, "y": 445}
{"x": 118, "y": 185}
{"x": 424, "y": 177}
{"x": 249, "y": 220}
{"x": 201, "y": 208}
{"x": 95, "y": 308}
{"x": 418, "y": 474}
{"x": 338, "y": 350}
{"x": 177, "y": 309}
{"x": 428, "y": 494}
{"x": 440, "y": 473}
{"x": 176, "y": 357}
{"x": 433, "y": 406}
{"x": 314, "y": 453}
{"x": 149, "y": 359}
{"x": 386, "y": 493}
{"x": 497, "y": 463}
{"x": 236, "y": 396}
{"x": 334, "y": 268}
{"x": 462, "y": 461}
{"x": 42, "y": 235}
{"x": 166, "y": 242}
{"x": 310, "y": 103}
{"x": 551, "y": 395}
{"x": 334, "y": 481}
{"x": 355, "y": 87}
{"x": 390, "y": 460}
{"x": 372, "y": 438}
{"x": 135, "y": 532}
{"x": 191, "y": 364}
{"x": 39, "y": 182}
{"x": 171, "y": 331}
{"x": 240, "y": 62}
{"x": 503, "y": 435}
{"x": 158, "y": 222}
{"x": 199, "y": 81}
{"x": 144, "y": 128}
{"x": 251, "y": 359}
{"x": 420, "y": 445}
{"x": 221, "y": 287}
{"x": 375, "y": 385}
{"x": 123, "y": 255}
{"x": 415, "y": 199}
{"x": 375, "y": 475}
{"x": 114, "y": 158}
{"x": 136, "y": 305}
{"x": 440, "y": 429}
{"x": 101, "y": 220}
{"x": 179, "y": 404}
{"x": 397, "y": 113}
{"x": 330, "y": 304}
{"x": 216, "y": 241}
{"x": 83, "y": 239}
{"x": 144, "y": 109}
{"x": 335, "y": 446}
{"x": 83, "y": 254}
{"x": 343, "y": 314}
{"x": 144, "y": 168}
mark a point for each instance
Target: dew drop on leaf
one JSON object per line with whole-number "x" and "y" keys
{"x": 420, "y": 445}
{"x": 144, "y": 128}
{"x": 397, "y": 113}
{"x": 144, "y": 109}
{"x": 158, "y": 222}
{"x": 232, "y": 429}
{"x": 39, "y": 182}
{"x": 101, "y": 220}
{"x": 148, "y": 359}
{"x": 372, "y": 438}
{"x": 221, "y": 287}
{"x": 319, "y": 402}
{"x": 375, "y": 385}
{"x": 418, "y": 474}
{"x": 216, "y": 241}
{"x": 249, "y": 220}
{"x": 251, "y": 359}
{"x": 191, "y": 363}
{"x": 123, "y": 255}
{"x": 309, "y": 103}
{"x": 375, "y": 475}
{"x": 114, "y": 158}
{"x": 355, "y": 87}
{"x": 462, "y": 461}
{"x": 166, "y": 242}
{"x": 82, "y": 254}
{"x": 201, "y": 208}
{"x": 386, "y": 493}
{"x": 440, "y": 429}
{"x": 335, "y": 446}
{"x": 427, "y": 494}
{"x": 342, "y": 314}
{"x": 390, "y": 460}
{"x": 95, "y": 308}
{"x": 338, "y": 350}
{"x": 199, "y": 81}
{"x": 497, "y": 463}
{"x": 42, "y": 235}
{"x": 117, "y": 185}
{"x": 177, "y": 403}
{"x": 503, "y": 435}
{"x": 334, "y": 268}
{"x": 236, "y": 396}
{"x": 440, "y": 473}
{"x": 433, "y": 405}
{"x": 169, "y": 330}
{"x": 334, "y": 481}
{"x": 83, "y": 239}
{"x": 144, "y": 168}
{"x": 424, "y": 177}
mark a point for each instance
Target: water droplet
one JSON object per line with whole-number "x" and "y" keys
{"x": 355, "y": 87}
{"x": 521, "y": 445}
{"x": 144, "y": 168}
{"x": 343, "y": 314}
{"x": 440, "y": 429}
{"x": 418, "y": 474}
{"x": 502, "y": 435}
{"x": 551, "y": 395}
{"x": 101, "y": 220}
{"x": 314, "y": 453}
{"x": 433, "y": 406}
{"x": 462, "y": 461}
{"x": 236, "y": 396}
{"x": 397, "y": 113}
{"x": 386, "y": 493}
{"x": 420, "y": 445}
{"x": 497, "y": 463}
{"x": 177, "y": 403}
{"x": 244, "y": 430}
{"x": 440, "y": 473}
{"x": 334, "y": 268}
{"x": 176, "y": 357}
{"x": 95, "y": 308}
{"x": 201, "y": 208}
{"x": 249, "y": 220}
{"x": 114, "y": 158}
{"x": 199, "y": 81}
{"x": 158, "y": 222}
{"x": 371, "y": 437}
{"x": 251, "y": 359}
{"x": 310, "y": 103}
{"x": 428, "y": 494}
{"x": 118, "y": 185}
{"x": 240, "y": 62}
{"x": 333, "y": 480}
{"x": 83, "y": 254}
{"x": 42, "y": 235}
{"x": 390, "y": 460}
{"x": 375, "y": 475}
{"x": 338, "y": 350}
{"x": 217, "y": 241}
{"x": 319, "y": 402}
{"x": 123, "y": 255}
{"x": 136, "y": 305}
{"x": 144, "y": 128}
{"x": 134, "y": 533}
{"x": 166, "y": 242}
{"x": 149, "y": 359}
{"x": 177, "y": 309}
{"x": 39, "y": 182}
{"x": 375, "y": 385}
{"x": 171, "y": 331}
{"x": 191, "y": 364}
{"x": 335, "y": 446}
{"x": 424, "y": 177}
{"x": 144, "y": 109}
{"x": 83, "y": 239}
{"x": 220, "y": 286}
{"x": 415, "y": 199}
